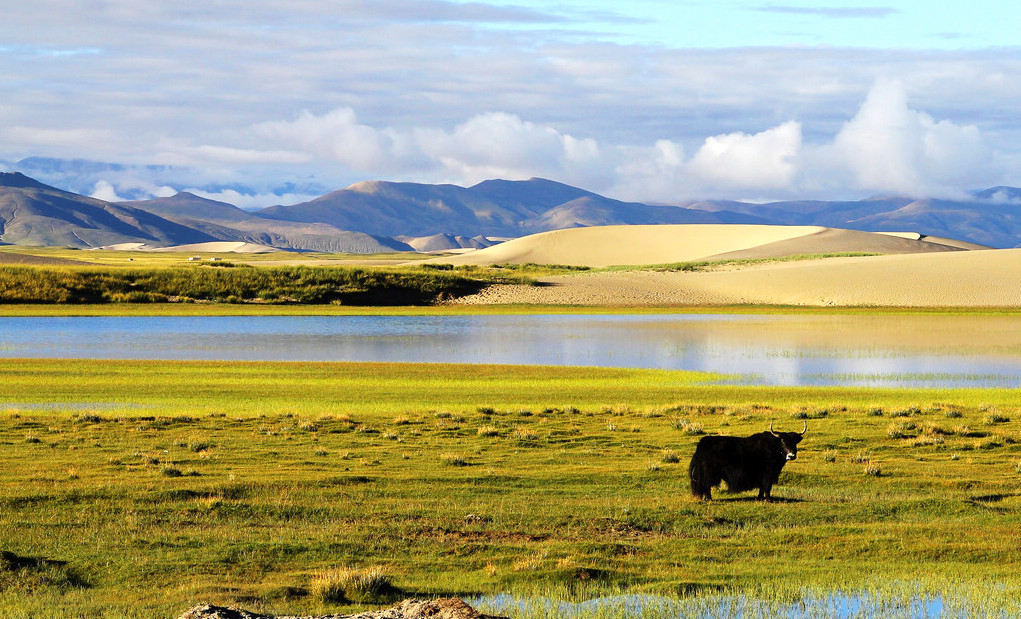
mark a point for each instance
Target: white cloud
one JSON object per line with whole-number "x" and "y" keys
{"x": 485, "y": 146}
{"x": 888, "y": 146}
{"x": 879, "y": 144}
{"x": 226, "y": 154}
{"x": 251, "y": 201}
{"x": 105, "y": 191}
{"x": 765, "y": 160}
{"x": 500, "y": 145}
{"x": 337, "y": 136}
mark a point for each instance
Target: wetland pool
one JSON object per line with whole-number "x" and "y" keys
{"x": 903, "y": 604}
{"x": 925, "y": 350}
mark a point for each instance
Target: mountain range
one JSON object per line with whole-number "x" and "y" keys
{"x": 377, "y": 216}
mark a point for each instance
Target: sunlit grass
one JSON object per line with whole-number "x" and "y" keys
{"x": 232, "y": 284}
{"x": 162, "y": 484}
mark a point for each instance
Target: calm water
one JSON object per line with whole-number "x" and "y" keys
{"x": 839, "y": 605}
{"x": 760, "y": 349}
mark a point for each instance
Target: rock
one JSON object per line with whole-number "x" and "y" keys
{"x": 452, "y": 608}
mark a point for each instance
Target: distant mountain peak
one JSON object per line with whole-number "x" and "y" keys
{"x": 1000, "y": 193}
{"x": 366, "y": 186}
{"x": 17, "y": 179}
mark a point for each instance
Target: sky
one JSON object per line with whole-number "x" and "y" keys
{"x": 260, "y": 102}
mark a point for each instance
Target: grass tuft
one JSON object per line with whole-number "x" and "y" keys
{"x": 349, "y": 584}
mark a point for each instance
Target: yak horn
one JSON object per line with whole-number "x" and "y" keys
{"x": 805, "y": 428}
{"x": 771, "y": 429}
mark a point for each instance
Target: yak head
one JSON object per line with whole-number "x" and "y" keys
{"x": 789, "y": 441}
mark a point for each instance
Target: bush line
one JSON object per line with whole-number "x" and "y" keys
{"x": 294, "y": 284}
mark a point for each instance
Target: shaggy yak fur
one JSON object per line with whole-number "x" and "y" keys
{"x": 745, "y": 463}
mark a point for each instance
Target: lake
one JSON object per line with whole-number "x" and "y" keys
{"x": 767, "y": 349}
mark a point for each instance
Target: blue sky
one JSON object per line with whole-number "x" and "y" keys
{"x": 934, "y": 24}
{"x": 260, "y": 102}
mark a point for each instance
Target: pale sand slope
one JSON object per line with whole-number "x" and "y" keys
{"x": 612, "y": 245}
{"x": 239, "y": 247}
{"x": 835, "y": 240}
{"x": 221, "y": 247}
{"x": 990, "y": 278}
{"x": 641, "y": 245}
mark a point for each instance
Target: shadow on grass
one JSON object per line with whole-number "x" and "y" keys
{"x": 754, "y": 499}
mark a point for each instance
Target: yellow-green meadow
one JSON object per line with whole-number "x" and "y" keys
{"x": 162, "y": 484}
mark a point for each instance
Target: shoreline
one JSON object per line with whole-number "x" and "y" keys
{"x": 458, "y": 309}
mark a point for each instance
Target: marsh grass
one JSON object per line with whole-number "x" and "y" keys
{"x": 554, "y": 503}
{"x": 298, "y": 285}
{"x": 351, "y": 584}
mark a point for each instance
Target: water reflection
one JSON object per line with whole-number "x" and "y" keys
{"x": 877, "y": 350}
{"x": 836, "y": 604}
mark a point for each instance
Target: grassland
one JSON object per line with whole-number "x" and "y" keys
{"x": 229, "y": 284}
{"x": 162, "y": 484}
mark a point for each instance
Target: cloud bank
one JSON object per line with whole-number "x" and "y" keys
{"x": 885, "y": 147}
{"x": 255, "y": 102}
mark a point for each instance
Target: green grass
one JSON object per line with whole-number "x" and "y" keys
{"x": 471, "y": 480}
{"x": 230, "y": 284}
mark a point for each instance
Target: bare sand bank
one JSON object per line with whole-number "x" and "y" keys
{"x": 990, "y": 278}
{"x": 642, "y": 245}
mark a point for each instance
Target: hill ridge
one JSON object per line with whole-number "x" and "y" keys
{"x": 374, "y": 216}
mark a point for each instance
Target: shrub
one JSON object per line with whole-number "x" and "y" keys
{"x": 199, "y": 446}
{"x": 348, "y": 584}
{"x": 670, "y": 457}
{"x": 861, "y": 457}
{"x": 687, "y": 427}
{"x": 88, "y": 418}
{"x": 988, "y": 443}
{"x": 900, "y": 429}
{"x": 927, "y": 439}
{"x": 452, "y": 459}
{"x": 524, "y": 434}
{"x": 296, "y": 284}
{"x": 488, "y": 431}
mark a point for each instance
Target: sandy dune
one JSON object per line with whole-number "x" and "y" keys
{"x": 913, "y": 270}
{"x": 643, "y": 245}
{"x": 220, "y": 247}
{"x": 213, "y": 247}
{"x": 990, "y": 278}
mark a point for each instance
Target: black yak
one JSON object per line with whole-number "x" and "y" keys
{"x": 745, "y": 463}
